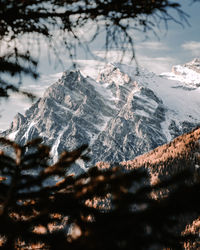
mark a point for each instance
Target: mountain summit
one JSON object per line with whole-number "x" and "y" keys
{"x": 120, "y": 115}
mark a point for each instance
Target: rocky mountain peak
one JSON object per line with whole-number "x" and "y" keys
{"x": 194, "y": 65}
{"x": 17, "y": 122}
{"x": 112, "y": 73}
{"x": 72, "y": 75}
{"x": 120, "y": 116}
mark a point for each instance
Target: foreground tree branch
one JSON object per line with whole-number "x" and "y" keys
{"x": 23, "y": 24}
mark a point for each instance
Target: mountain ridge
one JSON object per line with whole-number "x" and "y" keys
{"x": 121, "y": 115}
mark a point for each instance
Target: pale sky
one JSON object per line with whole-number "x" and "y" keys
{"x": 176, "y": 45}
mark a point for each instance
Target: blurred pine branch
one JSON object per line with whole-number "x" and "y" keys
{"x": 42, "y": 207}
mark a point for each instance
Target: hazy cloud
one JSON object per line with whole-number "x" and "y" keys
{"x": 156, "y": 64}
{"x": 193, "y": 47}
{"x": 90, "y": 67}
{"x": 152, "y": 45}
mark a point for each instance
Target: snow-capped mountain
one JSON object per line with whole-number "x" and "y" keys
{"x": 188, "y": 74}
{"x": 120, "y": 115}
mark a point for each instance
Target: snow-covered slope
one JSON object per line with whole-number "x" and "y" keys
{"x": 121, "y": 115}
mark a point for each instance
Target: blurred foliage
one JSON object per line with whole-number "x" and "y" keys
{"x": 42, "y": 207}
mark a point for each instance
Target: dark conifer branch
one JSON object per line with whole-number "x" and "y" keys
{"x": 40, "y": 19}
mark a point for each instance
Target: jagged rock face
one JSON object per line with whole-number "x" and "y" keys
{"x": 121, "y": 115}
{"x": 139, "y": 113}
